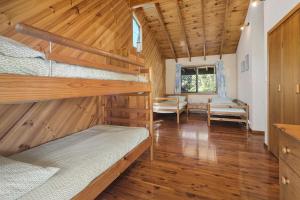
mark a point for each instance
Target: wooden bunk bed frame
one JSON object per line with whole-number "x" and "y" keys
{"x": 228, "y": 116}
{"x": 18, "y": 89}
{"x": 158, "y": 101}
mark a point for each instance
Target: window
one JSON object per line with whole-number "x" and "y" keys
{"x": 136, "y": 34}
{"x": 200, "y": 79}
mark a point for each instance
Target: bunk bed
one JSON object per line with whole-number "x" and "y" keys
{"x": 53, "y": 76}
{"x": 227, "y": 109}
{"x": 171, "y": 104}
{"x": 88, "y": 161}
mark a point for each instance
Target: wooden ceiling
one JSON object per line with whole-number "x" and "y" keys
{"x": 185, "y": 28}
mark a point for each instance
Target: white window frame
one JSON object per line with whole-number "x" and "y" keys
{"x": 134, "y": 17}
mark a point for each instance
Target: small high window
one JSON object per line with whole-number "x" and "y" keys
{"x": 136, "y": 34}
{"x": 200, "y": 79}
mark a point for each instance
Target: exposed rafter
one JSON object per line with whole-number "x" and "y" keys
{"x": 140, "y": 3}
{"x": 203, "y": 29}
{"x": 224, "y": 27}
{"x": 183, "y": 30}
{"x": 162, "y": 23}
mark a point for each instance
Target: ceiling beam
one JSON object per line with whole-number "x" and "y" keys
{"x": 183, "y": 30}
{"x": 224, "y": 27}
{"x": 134, "y": 4}
{"x": 203, "y": 29}
{"x": 162, "y": 23}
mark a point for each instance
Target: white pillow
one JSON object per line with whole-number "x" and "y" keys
{"x": 18, "y": 178}
{"x": 12, "y": 48}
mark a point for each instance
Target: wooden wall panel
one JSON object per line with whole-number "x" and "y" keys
{"x": 44, "y": 121}
{"x": 153, "y": 57}
{"x": 104, "y": 24}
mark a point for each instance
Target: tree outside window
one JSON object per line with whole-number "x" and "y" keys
{"x": 200, "y": 79}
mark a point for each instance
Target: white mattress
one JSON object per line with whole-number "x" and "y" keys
{"x": 162, "y": 106}
{"x": 81, "y": 157}
{"x": 215, "y": 111}
{"x": 16, "y": 58}
{"x": 41, "y": 67}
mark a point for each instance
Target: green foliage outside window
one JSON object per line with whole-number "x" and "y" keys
{"x": 198, "y": 79}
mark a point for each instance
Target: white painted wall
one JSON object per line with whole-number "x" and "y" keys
{"x": 251, "y": 84}
{"x": 274, "y": 11}
{"x": 230, "y": 74}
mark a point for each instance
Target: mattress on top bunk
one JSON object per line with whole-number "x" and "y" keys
{"x": 162, "y": 105}
{"x": 81, "y": 158}
{"x": 16, "y": 58}
{"x": 223, "y": 111}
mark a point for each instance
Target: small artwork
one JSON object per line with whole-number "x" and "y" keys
{"x": 247, "y": 64}
{"x": 243, "y": 66}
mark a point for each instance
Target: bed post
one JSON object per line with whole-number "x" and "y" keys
{"x": 177, "y": 111}
{"x": 247, "y": 118}
{"x": 208, "y": 113}
{"x": 151, "y": 124}
{"x": 103, "y": 110}
{"x": 187, "y": 106}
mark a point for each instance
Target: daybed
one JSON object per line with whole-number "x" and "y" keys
{"x": 81, "y": 158}
{"x": 227, "y": 109}
{"x": 170, "y": 104}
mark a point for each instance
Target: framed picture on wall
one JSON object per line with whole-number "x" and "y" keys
{"x": 247, "y": 64}
{"x": 243, "y": 66}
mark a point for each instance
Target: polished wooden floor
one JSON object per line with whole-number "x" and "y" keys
{"x": 192, "y": 161}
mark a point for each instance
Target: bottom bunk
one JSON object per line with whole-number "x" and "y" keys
{"x": 88, "y": 161}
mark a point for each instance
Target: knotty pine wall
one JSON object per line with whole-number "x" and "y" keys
{"x": 105, "y": 24}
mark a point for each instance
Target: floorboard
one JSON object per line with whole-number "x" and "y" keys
{"x": 192, "y": 161}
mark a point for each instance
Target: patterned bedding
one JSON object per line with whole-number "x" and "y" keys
{"x": 81, "y": 158}
{"x": 16, "y": 58}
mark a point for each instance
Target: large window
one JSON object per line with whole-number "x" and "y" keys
{"x": 199, "y": 79}
{"x": 136, "y": 34}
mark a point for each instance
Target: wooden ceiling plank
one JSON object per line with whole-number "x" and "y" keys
{"x": 162, "y": 23}
{"x": 214, "y": 11}
{"x": 224, "y": 27}
{"x": 134, "y": 4}
{"x": 183, "y": 30}
{"x": 203, "y": 29}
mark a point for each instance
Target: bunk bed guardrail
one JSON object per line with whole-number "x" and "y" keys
{"x": 51, "y": 37}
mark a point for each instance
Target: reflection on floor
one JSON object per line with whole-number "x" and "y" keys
{"x": 192, "y": 161}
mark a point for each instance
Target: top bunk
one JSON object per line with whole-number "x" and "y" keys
{"x": 28, "y": 75}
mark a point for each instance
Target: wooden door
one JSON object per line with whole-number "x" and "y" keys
{"x": 275, "y": 61}
{"x": 290, "y": 68}
{"x": 297, "y": 73}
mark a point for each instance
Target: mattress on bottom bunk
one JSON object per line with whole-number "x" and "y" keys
{"x": 229, "y": 111}
{"x": 81, "y": 158}
{"x": 41, "y": 67}
{"x": 161, "y": 106}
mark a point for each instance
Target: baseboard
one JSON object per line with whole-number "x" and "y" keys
{"x": 254, "y": 132}
{"x": 266, "y": 146}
